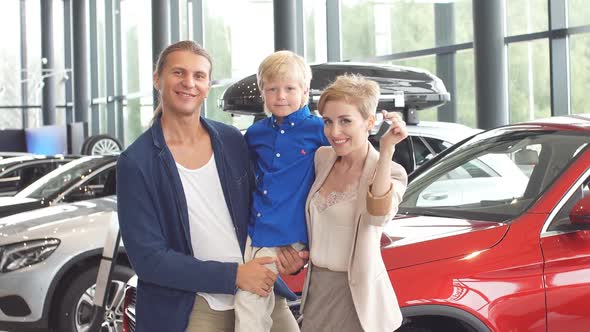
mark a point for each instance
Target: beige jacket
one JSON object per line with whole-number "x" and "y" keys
{"x": 372, "y": 292}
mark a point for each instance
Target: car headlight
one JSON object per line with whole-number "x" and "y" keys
{"x": 18, "y": 255}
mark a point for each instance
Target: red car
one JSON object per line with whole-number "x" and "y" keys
{"x": 494, "y": 233}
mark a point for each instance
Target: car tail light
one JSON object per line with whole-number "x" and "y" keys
{"x": 129, "y": 309}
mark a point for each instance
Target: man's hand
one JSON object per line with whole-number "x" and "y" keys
{"x": 255, "y": 278}
{"x": 290, "y": 260}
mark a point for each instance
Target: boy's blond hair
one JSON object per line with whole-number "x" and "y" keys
{"x": 355, "y": 90}
{"x": 283, "y": 65}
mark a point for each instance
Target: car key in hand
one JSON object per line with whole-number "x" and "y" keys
{"x": 380, "y": 127}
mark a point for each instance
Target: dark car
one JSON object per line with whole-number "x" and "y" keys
{"x": 16, "y": 173}
{"x": 81, "y": 179}
{"x": 403, "y": 89}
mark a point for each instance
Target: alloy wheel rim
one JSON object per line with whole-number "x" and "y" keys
{"x": 113, "y": 315}
{"x": 105, "y": 147}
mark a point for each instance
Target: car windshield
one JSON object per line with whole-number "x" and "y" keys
{"x": 61, "y": 178}
{"x": 495, "y": 176}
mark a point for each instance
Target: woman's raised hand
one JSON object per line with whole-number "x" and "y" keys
{"x": 397, "y": 131}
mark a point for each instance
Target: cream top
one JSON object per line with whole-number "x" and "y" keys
{"x": 332, "y": 228}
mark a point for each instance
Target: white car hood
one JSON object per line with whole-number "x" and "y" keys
{"x": 5, "y": 201}
{"x": 51, "y": 220}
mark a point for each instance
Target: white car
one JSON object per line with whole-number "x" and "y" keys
{"x": 49, "y": 261}
{"x": 501, "y": 177}
{"x": 429, "y": 138}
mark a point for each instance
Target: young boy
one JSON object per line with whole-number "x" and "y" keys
{"x": 282, "y": 149}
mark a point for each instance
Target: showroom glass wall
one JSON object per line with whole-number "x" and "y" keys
{"x": 433, "y": 35}
{"x": 21, "y": 78}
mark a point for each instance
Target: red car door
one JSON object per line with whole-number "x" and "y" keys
{"x": 566, "y": 252}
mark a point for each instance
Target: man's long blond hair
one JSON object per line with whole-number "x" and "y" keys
{"x": 185, "y": 45}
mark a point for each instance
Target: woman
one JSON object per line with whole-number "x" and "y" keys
{"x": 356, "y": 192}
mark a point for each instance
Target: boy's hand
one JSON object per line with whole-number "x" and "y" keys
{"x": 290, "y": 260}
{"x": 255, "y": 278}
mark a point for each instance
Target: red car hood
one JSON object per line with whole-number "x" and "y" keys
{"x": 421, "y": 239}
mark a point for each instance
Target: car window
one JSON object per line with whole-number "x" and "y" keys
{"x": 476, "y": 168}
{"x": 422, "y": 151}
{"x": 562, "y": 218}
{"x": 436, "y": 144}
{"x": 99, "y": 185}
{"x": 502, "y": 179}
{"x": 11, "y": 174}
{"x": 484, "y": 178}
{"x": 32, "y": 173}
{"x": 9, "y": 183}
{"x": 63, "y": 177}
{"x": 527, "y": 158}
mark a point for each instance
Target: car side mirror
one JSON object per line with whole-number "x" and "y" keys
{"x": 580, "y": 213}
{"x": 526, "y": 157}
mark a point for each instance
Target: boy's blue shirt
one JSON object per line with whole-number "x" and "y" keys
{"x": 283, "y": 162}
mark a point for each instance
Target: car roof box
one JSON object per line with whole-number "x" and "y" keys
{"x": 403, "y": 89}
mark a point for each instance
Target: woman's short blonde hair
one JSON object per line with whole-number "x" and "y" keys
{"x": 355, "y": 90}
{"x": 283, "y": 65}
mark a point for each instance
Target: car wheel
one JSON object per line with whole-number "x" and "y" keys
{"x": 101, "y": 145}
{"x": 76, "y": 307}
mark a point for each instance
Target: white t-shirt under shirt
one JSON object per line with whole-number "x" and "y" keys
{"x": 212, "y": 231}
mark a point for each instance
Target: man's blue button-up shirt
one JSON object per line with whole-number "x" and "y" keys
{"x": 283, "y": 159}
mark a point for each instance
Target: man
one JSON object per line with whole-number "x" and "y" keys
{"x": 184, "y": 191}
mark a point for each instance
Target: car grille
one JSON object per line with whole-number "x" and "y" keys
{"x": 129, "y": 309}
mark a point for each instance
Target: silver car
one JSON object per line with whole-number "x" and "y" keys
{"x": 84, "y": 178}
{"x": 48, "y": 267}
{"x": 16, "y": 173}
